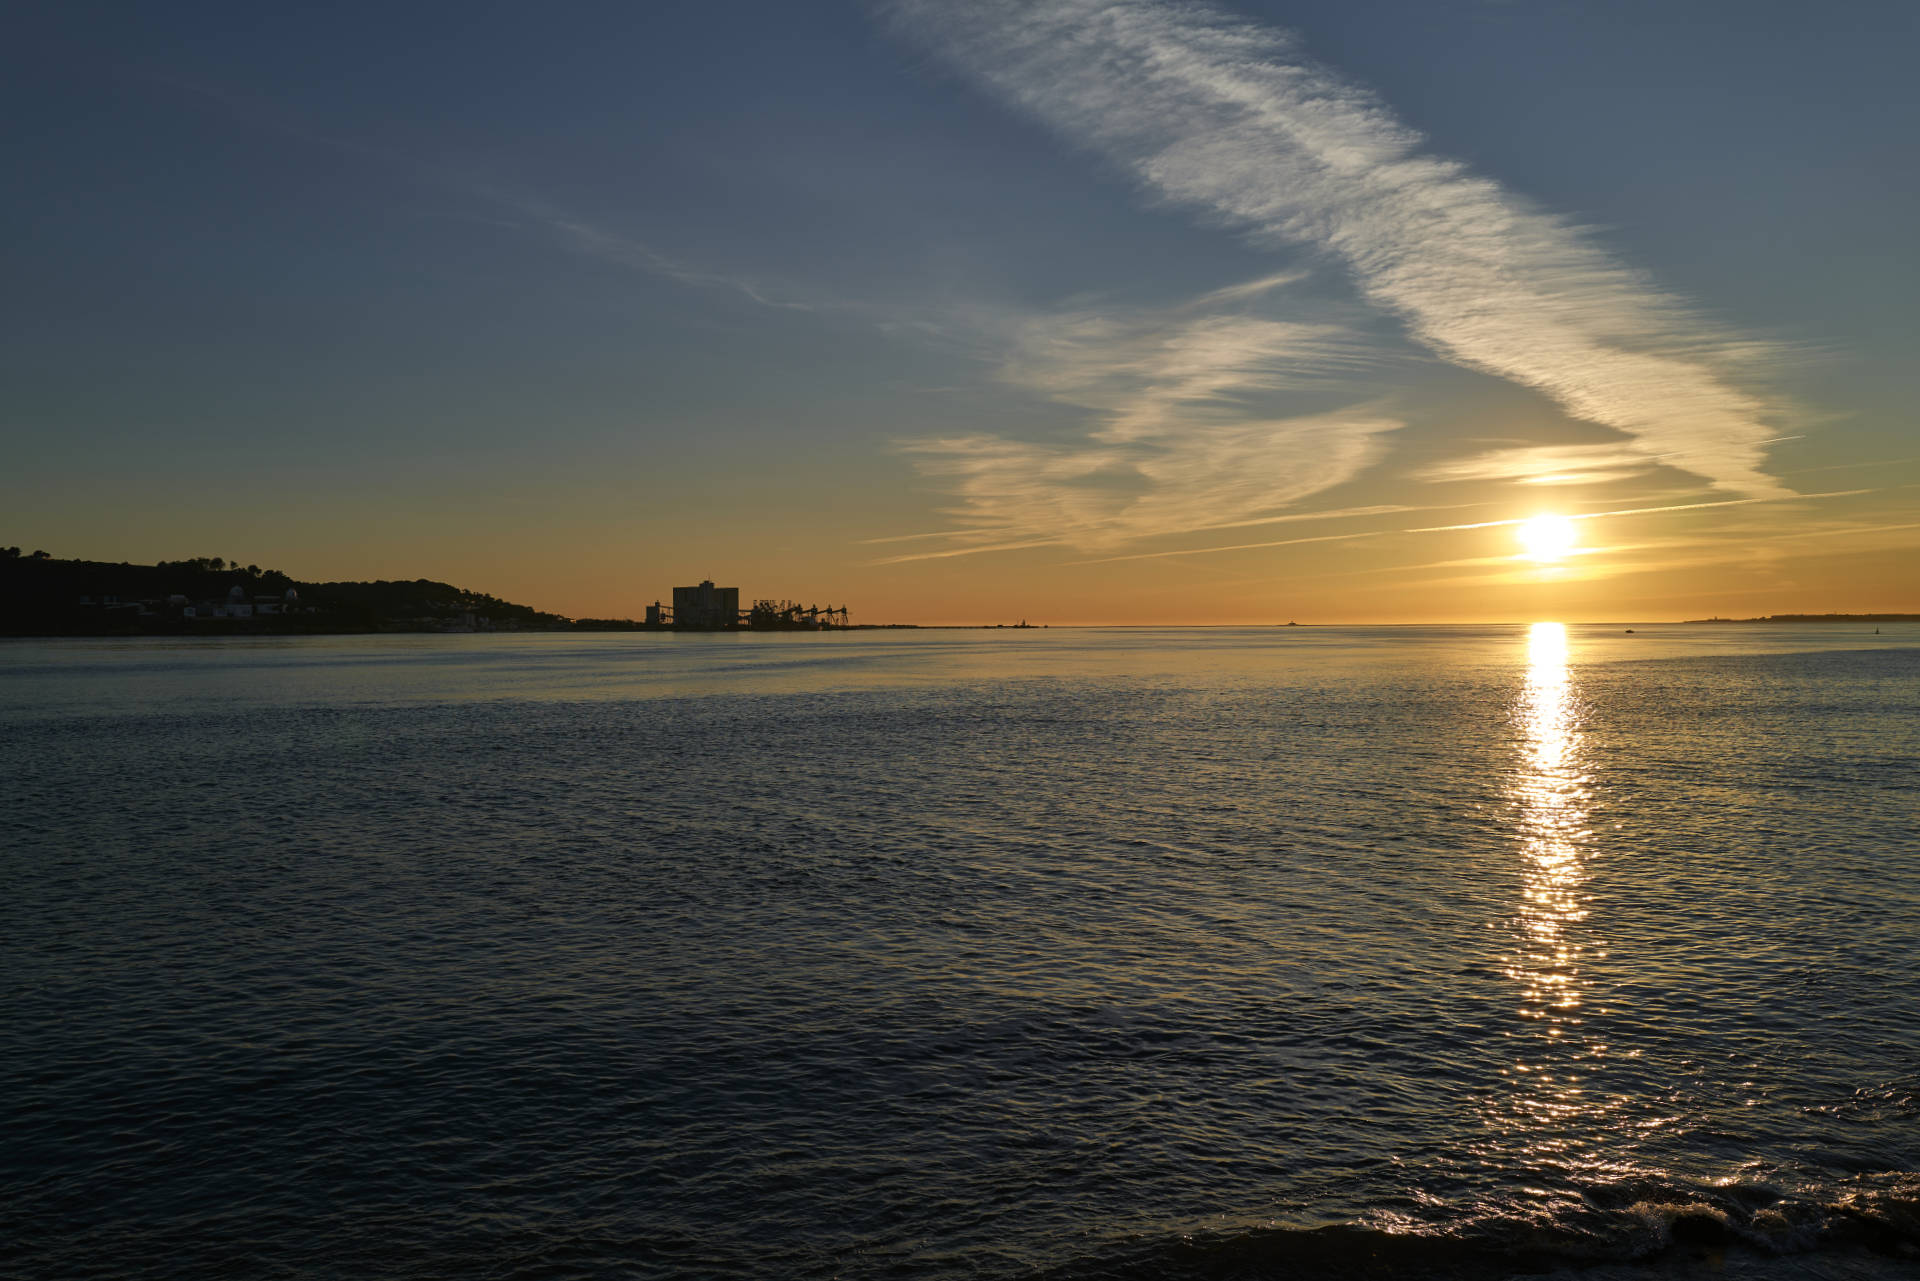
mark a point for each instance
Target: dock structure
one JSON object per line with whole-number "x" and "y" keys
{"x": 706, "y": 608}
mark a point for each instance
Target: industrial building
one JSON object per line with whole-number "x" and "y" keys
{"x": 706, "y": 607}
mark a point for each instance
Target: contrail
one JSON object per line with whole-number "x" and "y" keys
{"x": 1639, "y": 511}
{"x": 938, "y": 533}
{"x": 1239, "y": 547}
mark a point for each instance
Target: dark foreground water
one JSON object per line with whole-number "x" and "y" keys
{"x": 1294, "y": 952}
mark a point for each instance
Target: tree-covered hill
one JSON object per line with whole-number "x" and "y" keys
{"x": 41, "y": 595}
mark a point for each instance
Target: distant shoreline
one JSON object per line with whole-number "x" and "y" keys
{"x": 229, "y": 630}
{"x": 1814, "y": 618}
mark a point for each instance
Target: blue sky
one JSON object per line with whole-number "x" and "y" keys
{"x": 1076, "y": 301}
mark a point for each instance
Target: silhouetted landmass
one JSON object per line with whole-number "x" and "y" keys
{"x": 1817, "y": 618}
{"x": 427, "y": 605}
{"x": 44, "y": 596}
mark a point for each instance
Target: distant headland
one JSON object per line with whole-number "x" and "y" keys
{"x": 41, "y": 595}
{"x": 1817, "y": 618}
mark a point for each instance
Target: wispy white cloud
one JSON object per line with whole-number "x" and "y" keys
{"x": 1183, "y": 433}
{"x": 1235, "y": 120}
{"x": 1149, "y": 369}
{"x": 1133, "y": 483}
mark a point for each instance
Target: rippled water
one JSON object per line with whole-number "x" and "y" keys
{"x": 1283, "y": 952}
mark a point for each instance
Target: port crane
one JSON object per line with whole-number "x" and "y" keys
{"x": 791, "y": 614}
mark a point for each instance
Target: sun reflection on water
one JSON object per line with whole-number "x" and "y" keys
{"x": 1550, "y": 790}
{"x": 1552, "y": 794}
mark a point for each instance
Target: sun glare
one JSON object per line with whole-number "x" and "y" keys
{"x": 1547, "y": 538}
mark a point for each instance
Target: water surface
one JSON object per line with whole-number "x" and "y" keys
{"x": 1292, "y": 952}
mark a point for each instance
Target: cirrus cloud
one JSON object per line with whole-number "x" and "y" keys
{"x": 1184, "y": 434}
{"x": 1232, "y": 119}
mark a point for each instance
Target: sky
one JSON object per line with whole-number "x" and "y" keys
{"x": 971, "y": 311}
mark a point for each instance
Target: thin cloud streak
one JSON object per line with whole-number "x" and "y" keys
{"x": 1643, "y": 511}
{"x": 1241, "y": 547}
{"x": 1875, "y": 462}
{"x": 1383, "y": 509}
{"x": 1603, "y": 561}
{"x": 624, "y": 251}
{"x": 1778, "y": 546}
{"x": 952, "y": 552}
{"x": 1340, "y": 513}
{"x": 1232, "y": 119}
{"x": 915, "y": 538}
{"x": 576, "y": 234}
{"x": 1480, "y": 524}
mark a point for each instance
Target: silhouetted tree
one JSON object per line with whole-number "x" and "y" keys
{"x": 41, "y": 555}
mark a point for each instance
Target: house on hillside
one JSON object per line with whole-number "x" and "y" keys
{"x": 242, "y": 604}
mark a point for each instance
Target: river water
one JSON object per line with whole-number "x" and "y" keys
{"x": 1291, "y": 952}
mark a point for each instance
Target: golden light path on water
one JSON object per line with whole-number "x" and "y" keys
{"x": 1551, "y": 791}
{"x": 1548, "y": 1113}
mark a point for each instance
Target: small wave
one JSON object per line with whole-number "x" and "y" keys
{"x": 1871, "y": 1222}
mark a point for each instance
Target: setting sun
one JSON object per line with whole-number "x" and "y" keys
{"x": 1547, "y": 538}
